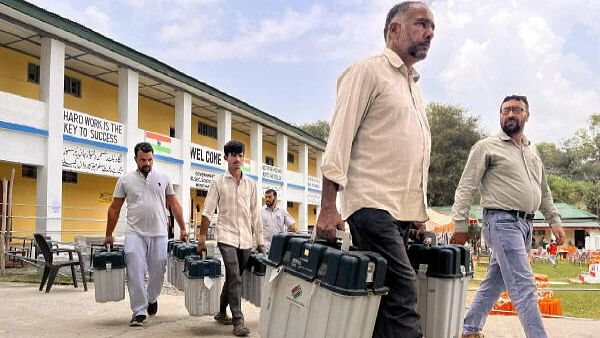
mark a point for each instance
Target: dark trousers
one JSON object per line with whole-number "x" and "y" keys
{"x": 235, "y": 260}
{"x": 376, "y": 230}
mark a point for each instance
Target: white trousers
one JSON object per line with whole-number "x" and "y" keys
{"x": 144, "y": 255}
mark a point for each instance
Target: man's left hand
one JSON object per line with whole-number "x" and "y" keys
{"x": 260, "y": 248}
{"x": 183, "y": 235}
{"x": 559, "y": 233}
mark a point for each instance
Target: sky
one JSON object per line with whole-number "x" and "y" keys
{"x": 284, "y": 57}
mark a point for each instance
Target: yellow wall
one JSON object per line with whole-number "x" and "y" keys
{"x": 312, "y": 216}
{"x": 13, "y": 74}
{"x": 293, "y": 166}
{"x": 201, "y": 139}
{"x": 245, "y": 139}
{"x": 271, "y": 151}
{"x": 97, "y": 98}
{"x": 294, "y": 211}
{"x": 155, "y": 116}
{"x": 24, "y": 191}
{"x": 82, "y": 202}
{"x": 312, "y": 167}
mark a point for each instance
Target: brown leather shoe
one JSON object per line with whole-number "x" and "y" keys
{"x": 473, "y": 335}
{"x": 240, "y": 330}
{"x": 223, "y": 318}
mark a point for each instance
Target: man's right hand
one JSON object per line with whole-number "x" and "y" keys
{"x": 108, "y": 240}
{"x": 328, "y": 222}
{"x": 459, "y": 238}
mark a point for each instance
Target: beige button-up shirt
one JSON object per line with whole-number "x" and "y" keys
{"x": 508, "y": 177}
{"x": 379, "y": 145}
{"x": 238, "y": 212}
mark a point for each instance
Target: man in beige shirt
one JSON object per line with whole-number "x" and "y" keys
{"x": 377, "y": 156}
{"x": 510, "y": 177}
{"x": 238, "y": 219}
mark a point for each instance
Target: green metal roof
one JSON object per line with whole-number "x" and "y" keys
{"x": 119, "y": 48}
{"x": 568, "y": 213}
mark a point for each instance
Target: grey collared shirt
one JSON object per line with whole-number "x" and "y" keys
{"x": 508, "y": 177}
{"x": 379, "y": 146}
{"x": 275, "y": 220}
{"x": 146, "y": 201}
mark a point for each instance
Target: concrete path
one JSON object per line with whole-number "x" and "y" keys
{"x": 70, "y": 312}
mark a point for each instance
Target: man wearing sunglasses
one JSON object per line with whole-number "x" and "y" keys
{"x": 507, "y": 171}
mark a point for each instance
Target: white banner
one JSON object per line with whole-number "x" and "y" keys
{"x": 272, "y": 173}
{"x": 313, "y": 198}
{"x": 314, "y": 183}
{"x": 201, "y": 179}
{"x": 205, "y": 155}
{"x": 92, "y": 160}
{"x": 92, "y": 128}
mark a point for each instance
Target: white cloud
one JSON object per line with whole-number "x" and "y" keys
{"x": 93, "y": 15}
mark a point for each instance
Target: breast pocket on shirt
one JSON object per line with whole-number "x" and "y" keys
{"x": 536, "y": 170}
{"x": 244, "y": 203}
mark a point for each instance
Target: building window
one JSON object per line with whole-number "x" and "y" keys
{"x": 314, "y": 211}
{"x": 201, "y": 193}
{"x": 28, "y": 171}
{"x": 171, "y": 131}
{"x": 72, "y": 86}
{"x": 69, "y": 177}
{"x": 290, "y": 158}
{"x": 33, "y": 73}
{"x": 290, "y": 205}
{"x": 269, "y": 160}
{"x": 207, "y": 130}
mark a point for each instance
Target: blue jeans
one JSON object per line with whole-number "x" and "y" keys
{"x": 509, "y": 238}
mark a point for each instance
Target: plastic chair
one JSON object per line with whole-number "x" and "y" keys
{"x": 51, "y": 268}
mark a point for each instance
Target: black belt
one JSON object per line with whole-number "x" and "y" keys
{"x": 517, "y": 213}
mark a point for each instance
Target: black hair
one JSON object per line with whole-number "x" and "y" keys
{"x": 399, "y": 9}
{"x": 234, "y": 147}
{"x": 521, "y": 98}
{"x": 271, "y": 191}
{"x": 144, "y": 147}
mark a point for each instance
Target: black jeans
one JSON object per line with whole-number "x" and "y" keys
{"x": 235, "y": 260}
{"x": 376, "y": 230}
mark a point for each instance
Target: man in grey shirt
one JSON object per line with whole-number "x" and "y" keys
{"x": 510, "y": 177}
{"x": 275, "y": 219}
{"x": 148, "y": 193}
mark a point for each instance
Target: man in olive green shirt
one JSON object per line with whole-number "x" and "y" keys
{"x": 510, "y": 177}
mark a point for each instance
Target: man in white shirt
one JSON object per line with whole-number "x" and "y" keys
{"x": 275, "y": 219}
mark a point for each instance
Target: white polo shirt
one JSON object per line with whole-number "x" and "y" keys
{"x": 146, "y": 201}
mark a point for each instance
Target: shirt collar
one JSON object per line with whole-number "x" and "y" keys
{"x": 504, "y": 137}
{"x": 228, "y": 174}
{"x": 142, "y": 175}
{"x": 396, "y": 62}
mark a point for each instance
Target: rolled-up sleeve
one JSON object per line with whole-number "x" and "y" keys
{"x": 211, "y": 201}
{"x": 468, "y": 186}
{"x": 547, "y": 206}
{"x": 355, "y": 92}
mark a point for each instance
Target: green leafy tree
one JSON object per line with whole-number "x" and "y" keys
{"x": 453, "y": 133}
{"x": 318, "y": 129}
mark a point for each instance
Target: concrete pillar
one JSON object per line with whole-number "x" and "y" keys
{"x": 223, "y": 128}
{"x": 282, "y": 151}
{"x": 303, "y": 169}
{"x": 256, "y": 141}
{"x": 128, "y": 112}
{"x": 319, "y": 176}
{"x": 183, "y": 131}
{"x": 49, "y": 176}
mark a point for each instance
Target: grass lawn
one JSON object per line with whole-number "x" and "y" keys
{"x": 580, "y": 303}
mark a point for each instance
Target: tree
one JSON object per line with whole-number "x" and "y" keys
{"x": 453, "y": 133}
{"x": 318, "y": 129}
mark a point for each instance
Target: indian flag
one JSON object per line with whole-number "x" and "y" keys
{"x": 246, "y": 166}
{"x": 160, "y": 143}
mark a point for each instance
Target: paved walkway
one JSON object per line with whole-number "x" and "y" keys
{"x": 70, "y": 312}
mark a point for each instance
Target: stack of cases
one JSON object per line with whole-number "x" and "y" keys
{"x": 443, "y": 274}
{"x": 171, "y": 271}
{"x": 253, "y": 278}
{"x": 109, "y": 275}
{"x": 316, "y": 290}
{"x": 203, "y": 285}
{"x": 180, "y": 252}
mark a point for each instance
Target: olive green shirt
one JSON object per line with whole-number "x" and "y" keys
{"x": 508, "y": 177}
{"x": 379, "y": 145}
